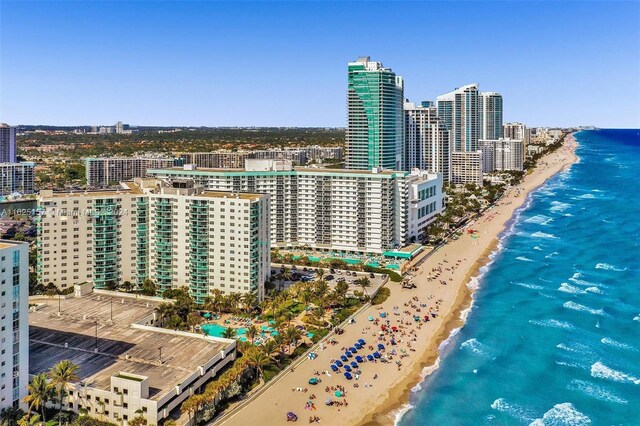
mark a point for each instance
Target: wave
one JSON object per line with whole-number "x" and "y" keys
{"x": 557, "y": 206}
{"x": 572, "y": 365}
{"x": 576, "y": 348}
{"x": 475, "y": 347}
{"x": 550, "y": 255}
{"x": 562, "y": 414}
{"x": 566, "y": 288}
{"x": 538, "y": 248}
{"x": 514, "y": 410}
{"x": 578, "y": 307}
{"x": 543, "y": 235}
{"x": 552, "y": 323}
{"x": 594, "y": 290}
{"x": 614, "y": 343}
{"x": 595, "y": 391}
{"x": 585, "y": 197}
{"x": 636, "y": 318}
{"x": 530, "y": 286}
{"x": 397, "y": 414}
{"x": 577, "y": 280}
{"x": 524, "y": 259}
{"x": 539, "y": 219}
{"x": 601, "y": 371}
{"x": 608, "y": 267}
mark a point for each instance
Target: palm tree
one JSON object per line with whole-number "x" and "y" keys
{"x": 61, "y": 375}
{"x": 189, "y": 406}
{"x": 164, "y": 310}
{"x": 363, "y": 282}
{"x": 28, "y": 420}
{"x": 249, "y": 300}
{"x": 10, "y": 416}
{"x": 40, "y": 392}
{"x": 320, "y": 274}
{"x": 292, "y": 335}
{"x": 169, "y": 423}
{"x": 251, "y": 332}
{"x": 257, "y": 359}
{"x": 193, "y": 319}
{"x": 229, "y": 333}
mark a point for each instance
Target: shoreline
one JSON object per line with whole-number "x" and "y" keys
{"x": 398, "y": 402}
{"x": 378, "y": 400}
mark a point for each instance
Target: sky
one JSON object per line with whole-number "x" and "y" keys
{"x": 285, "y": 63}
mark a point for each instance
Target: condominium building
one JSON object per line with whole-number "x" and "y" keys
{"x": 17, "y": 177}
{"x": 325, "y": 209}
{"x": 460, "y": 112}
{"x": 490, "y": 115}
{"x": 502, "y": 154}
{"x": 177, "y": 235}
{"x": 425, "y": 202}
{"x": 14, "y": 323}
{"x": 208, "y": 240}
{"x": 466, "y": 167}
{"x": 375, "y": 128}
{"x": 104, "y": 172}
{"x": 517, "y": 131}
{"x": 236, "y": 159}
{"x": 7, "y": 144}
{"x": 215, "y": 159}
{"x": 426, "y": 139}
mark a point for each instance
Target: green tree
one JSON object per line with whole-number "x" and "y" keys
{"x": 148, "y": 288}
{"x": 61, "y": 375}
{"x": 252, "y": 333}
{"x": 257, "y": 359}
{"x": 10, "y": 416}
{"x": 229, "y": 333}
{"x": 40, "y": 392}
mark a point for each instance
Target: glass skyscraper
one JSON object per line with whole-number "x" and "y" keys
{"x": 375, "y": 130}
{"x": 491, "y": 115}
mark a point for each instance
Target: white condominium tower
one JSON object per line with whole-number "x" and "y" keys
{"x": 7, "y": 144}
{"x": 375, "y": 128}
{"x": 175, "y": 234}
{"x": 460, "y": 112}
{"x": 426, "y": 139}
{"x": 491, "y": 115}
{"x": 502, "y": 154}
{"x": 351, "y": 211}
{"x": 14, "y": 323}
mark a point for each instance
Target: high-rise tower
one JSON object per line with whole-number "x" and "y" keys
{"x": 491, "y": 115}
{"x": 375, "y": 128}
{"x": 459, "y": 111}
{"x": 7, "y": 143}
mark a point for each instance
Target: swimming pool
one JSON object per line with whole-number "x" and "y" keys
{"x": 217, "y": 330}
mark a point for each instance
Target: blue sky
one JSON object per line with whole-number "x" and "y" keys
{"x": 284, "y": 63}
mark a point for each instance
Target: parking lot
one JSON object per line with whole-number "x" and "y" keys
{"x": 331, "y": 276}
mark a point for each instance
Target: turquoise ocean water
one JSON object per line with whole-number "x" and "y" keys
{"x": 553, "y": 337}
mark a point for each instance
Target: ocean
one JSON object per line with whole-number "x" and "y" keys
{"x": 553, "y": 336}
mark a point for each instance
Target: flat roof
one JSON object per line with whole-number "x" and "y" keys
{"x": 76, "y": 327}
{"x": 10, "y": 243}
{"x": 295, "y": 169}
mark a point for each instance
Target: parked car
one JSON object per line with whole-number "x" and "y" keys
{"x": 372, "y": 275}
{"x": 332, "y": 271}
{"x": 329, "y": 277}
{"x": 354, "y": 274}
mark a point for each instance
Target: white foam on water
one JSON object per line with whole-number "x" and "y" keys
{"x": 539, "y": 219}
{"x": 578, "y": 307}
{"x": 524, "y": 259}
{"x": 585, "y": 197}
{"x": 636, "y": 318}
{"x": 475, "y": 347}
{"x": 557, "y": 206}
{"x": 608, "y": 267}
{"x": 585, "y": 283}
{"x": 576, "y": 348}
{"x": 538, "y": 248}
{"x": 594, "y": 290}
{"x": 595, "y": 391}
{"x": 552, "y": 323}
{"x": 562, "y": 414}
{"x": 475, "y": 371}
{"x": 572, "y": 365}
{"x": 567, "y": 215}
{"x": 514, "y": 410}
{"x": 543, "y": 235}
{"x": 566, "y": 288}
{"x": 531, "y": 286}
{"x": 550, "y": 255}
{"x": 601, "y": 371}
{"x": 397, "y": 414}
{"x": 614, "y": 343}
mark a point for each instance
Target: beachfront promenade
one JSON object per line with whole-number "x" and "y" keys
{"x": 442, "y": 294}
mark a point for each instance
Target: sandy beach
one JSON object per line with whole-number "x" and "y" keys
{"x": 410, "y": 346}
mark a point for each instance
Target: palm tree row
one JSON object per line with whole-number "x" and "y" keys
{"x": 45, "y": 387}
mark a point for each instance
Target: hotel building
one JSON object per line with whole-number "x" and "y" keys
{"x": 426, "y": 139}
{"x": 375, "y": 127}
{"x": 14, "y": 323}
{"x": 177, "y": 236}
{"x": 502, "y": 154}
{"x": 351, "y": 211}
{"x": 104, "y": 172}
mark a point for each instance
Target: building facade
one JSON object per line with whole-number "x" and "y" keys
{"x": 14, "y": 323}
{"x": 466, "y": 167}
{"x": 502, "y": 154}
{"x": 324, "y": 209}
{"x": 375, "y": 124}
{"x": 177, "y": 235}
{"x": 17, "y": 177}
{"x": 104, "y": 172}
{"x": 8, "y": 152}
{"x": 460, "y": 112}
{"x": 426, "y": 202}
{"x": 426, "y": 139}
{"x": 491, "y": 115}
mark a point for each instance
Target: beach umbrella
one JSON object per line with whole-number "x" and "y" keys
{"x": 338, "y": 394}
{"x": 357, "y": 345}
{"x": 370, "y": 357}
{"x": 313, "y": 381}
{"x": 348, "y": 376}
{"x": 380, "y": 346}
{"x": 354, "y": 364}
{"x": 349, "y": 354}
{"x": 347, "y": 367}
{"x": 361, "y": 341}
{"x": 353, "y": 350}
{"x": 370, "y": 318}
{"x": 344, "y": 358}
{"x": 394, "y": 328}
{"x": 376, "y": 355}
{"x": 359, "y": 359}
{"x": 339, "y": 363}
{"x": 334, "y": 367}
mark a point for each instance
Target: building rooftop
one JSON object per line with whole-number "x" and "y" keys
{"x": 121, "y": 348}
{"x": 295, "y": 169}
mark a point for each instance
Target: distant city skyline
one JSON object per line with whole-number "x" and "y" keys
{"x": 285, "y": 64}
